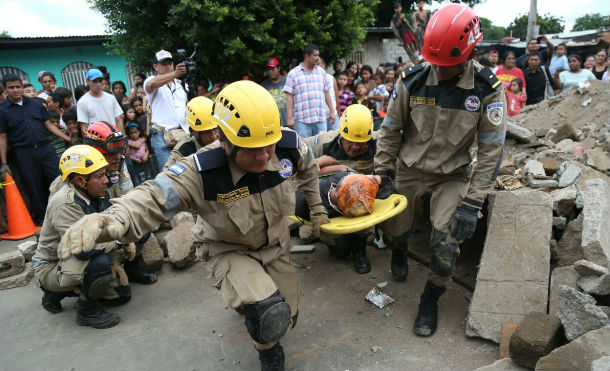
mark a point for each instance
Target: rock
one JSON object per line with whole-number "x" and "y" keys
{"x": 182, "y": 217}
{"x": 549, "y": 164}
{"x": 553, "y": 245}
{"x": 569, "y": 175}
{"x": 605, "y": 309}
{"x": 535, "y": 337}
{"x": 27, "y": 249}
{"x": 588, "y": 143}
{"x": 11, "y": 263}
{"x": 566, "y": 145}
{"x": 570, "y": 250}
{"x": 602, "y": 364}
{"x": 152, "y": 255}
{"x": 565, "y": 131}
{"x": 578, "y": 313}
{"x": 579, "y": 202}
{"x": 561, "y": 276}
{"x": 375, "y": 349}
{"x": 563, "y": 200}
{"x": 505, "y": 364}
{"x": 306, "y": 234}
{"x": 298, "y": 249}
{"x": 534, "y": 167}
{"x": 520, "y": 157}
{"x": 179, "y": 243}
{"x": 519, "y": 224}
{"x": 541, "y": 183}
{"x": 520, "y": 133}
{"x": 595, "y": 285}
{"x": 505, "y": 334}
{"x": 586, "y": 268}
{"x": 596, "y": 222}
{"x": 559, "y": 222}
{"x": 579, "y": 354}
{"x": 160, "y": 234}
{"x": 17, "y": 280}
{"x": 597, "y": 159}
{"x": 293, "y": 224}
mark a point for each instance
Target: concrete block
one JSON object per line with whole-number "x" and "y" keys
{"x": 596, "y": 222}
{"x": 579, "y": 354}
{"x": 550, "y": 165}
{"x": 520, "y": 133}
{"x": 535, "y": 337}
{"x": 27, "y": 249}
{"x": 152, "y": 255}
{"x": 578, "y": 313}
{"x": 508, "y": 285}
{"x": 11, "y": 263}
{"x": 505, "y": 334}
{"x": 566, "y": 276}
{"x": 559, "y": 222}
{"x": 534, "y": 167}
{"x": 595, "y": 285}
{"x": 563, "y": 200}
{"x": 570, "y": 245}
{"x": 597, "y": 159}
{"x": 587, "y": 268}
{"x": 179, "y": 242}
{"x": 602, "y": 364}
{"x": 505, "y": 364}
{"x": 569, "y": 175}
{"x": 20, "y": 279}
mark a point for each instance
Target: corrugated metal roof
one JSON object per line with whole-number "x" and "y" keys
{"x": 14, "y": 43}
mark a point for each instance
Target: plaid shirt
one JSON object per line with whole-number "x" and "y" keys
{"x": 308, "y": 90}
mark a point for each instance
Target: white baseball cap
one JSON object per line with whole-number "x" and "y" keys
{"x": 163, "y": 55}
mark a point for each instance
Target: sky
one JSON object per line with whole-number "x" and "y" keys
{"x": 37, "y": 18}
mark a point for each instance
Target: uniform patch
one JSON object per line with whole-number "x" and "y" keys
{"x": 113, "y": 179}
{"x": 234, "y": 195}
{"x": 177, "y": 169}
{"x": 394, "y": 93}
{"x": 495, "y": 112}
{"x": 472, "y": 103}
{"x": 361, "y": 163}
{"x": 418, "y": 101}
{"x": 286, "y": 170}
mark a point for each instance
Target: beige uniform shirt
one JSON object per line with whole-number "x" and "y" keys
{"x": 246, "y": 211}
{"x": 184, "y": 148}
{"x": 329, "y": 143}
{"x": 431, "y": 126}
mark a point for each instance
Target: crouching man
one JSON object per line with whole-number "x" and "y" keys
{"x": 91, "y": 274}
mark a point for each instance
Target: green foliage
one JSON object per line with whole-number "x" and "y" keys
{"x": 235, "y": 37}
{"x": 491, "y": 32}
{"x": 548, "y": 24}
{"x": 5, "y": 35}
{"x": 385, "y": 11}
{"x": 591, "y": 22}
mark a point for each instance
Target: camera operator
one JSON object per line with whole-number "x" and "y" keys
{"x": 168, "y": 105}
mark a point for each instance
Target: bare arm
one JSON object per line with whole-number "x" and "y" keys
{"x": 55, "y": 131}
{"x": 119, "y": 123}
{"x": 290, "y": 110}
{"x": 3, "y": 148}
{"x": 160, "y": 80}
{"x": 329, "y": 103}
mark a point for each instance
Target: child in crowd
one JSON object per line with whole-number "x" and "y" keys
{"x": 29, "y": 91}
{"x": 137, "y": 152}
{"x": 383, "y": 112}
{"x": 130, "y": 113}
{"x": 57, "y": 142}
{"x": 515, "y": 98}
{"x": 559, "y": 60}
{"x": 380, "y": 92}
{"x": 76, "y": 137}
{"x": 389, "y": 86}
{"x": 360, "y": 93}
{"x": 345, "y": 97}
{"x": 367, "y": 74}
{"x": 389, "y": 74}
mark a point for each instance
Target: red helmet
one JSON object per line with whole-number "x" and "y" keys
{"x": 451, "y": 35}
{"x": 105, "y": 137}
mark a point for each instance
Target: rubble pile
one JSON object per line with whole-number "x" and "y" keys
{"x": 16, "y": 266}
{"x": 545, "y": 264}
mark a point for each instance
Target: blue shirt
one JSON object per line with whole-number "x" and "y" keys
{"x": 558, "y": 62}
{"x": 23, "y": 123}
{"x": 569, "y": 79}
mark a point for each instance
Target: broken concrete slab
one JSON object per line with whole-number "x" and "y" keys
{"x": 11, "y": 263}
{"x": 534, "y": 182}
{"x": 505, "y": 364}
{"x": 534, "y": 167}
{"x": 602, "y": 364}
{"x": 17, "y": 280}
{"x": 559, "y": 222}
{"x": 152, "y": 255}
{"x": 563, "y": 200}
{"x": 549, "y": 164}
{"x": 579, "y": 354}
{"x": 509, "y": 286}
{"x": 570, "y": 248}
{"x": 520, "y": 133}
{"x": 595, "y": 285}
{"x": 587, "y": 268}
{"x": 596, "y": 222}
{"x": 598, "y": 159}
{"x": 27, "y": 249}
{"x": 180, "y": 249}
{"x": 561, "y": 276}
{"x": 535, "y": 337}
{"x": 569, "y": 175}
{"x": 578, "y": 313}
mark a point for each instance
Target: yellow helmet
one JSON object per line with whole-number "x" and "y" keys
{"x": 81, "y": 159}
{"x": 247, "y": 115}
{"x": 356, "y": 123}
{"x": 199, "y": 114}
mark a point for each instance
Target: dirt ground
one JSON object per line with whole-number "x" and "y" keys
{"x": 181, "y": 323}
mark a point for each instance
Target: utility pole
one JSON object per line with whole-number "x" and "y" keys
{"x": 531, "y": 20}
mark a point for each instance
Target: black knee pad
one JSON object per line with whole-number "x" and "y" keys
{"x": 397, "y": 242}
{"x": 144, "y": 238}
{"x": 268, "y": 320}
{"x": 443, "y": 259}
{"x": 97, "y": 277}
{"x": 342, "y": 247}
{"x": 124, "y": 293}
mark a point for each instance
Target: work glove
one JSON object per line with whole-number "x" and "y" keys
{"x": 318, "y": 216}
{"x": 386, "y": 188}
{"x": 84, "y": 234}
{"x": 463, "y": 222}
{"x": 3, "y": 170}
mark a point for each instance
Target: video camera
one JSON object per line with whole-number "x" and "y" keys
{"x": 191, "y": 70}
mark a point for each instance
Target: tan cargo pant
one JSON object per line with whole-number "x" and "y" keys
{"x": 446, "y": 193}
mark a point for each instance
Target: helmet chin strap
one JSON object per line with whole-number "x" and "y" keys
{"x": 84, "y": 189}
{"x": 233, "y": 147}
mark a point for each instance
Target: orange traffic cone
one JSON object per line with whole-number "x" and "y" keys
{"x": 20, "y": 224}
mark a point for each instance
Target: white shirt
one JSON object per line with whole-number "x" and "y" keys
{"x": 168, "y": 105}
{"x": 91, "y": 109}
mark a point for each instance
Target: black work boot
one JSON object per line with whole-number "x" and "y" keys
{"x": 90, "y": 313}
{"x": 272, "y": 359}
{"x": 362, "y": 264}
{"x": 51, "y": 301}
{"x": 137, "y": 274}
{"x": 399, "y": 265}
{"x": 427, "y": 316}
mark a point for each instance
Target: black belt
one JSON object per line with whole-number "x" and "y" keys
{"x": 35, "y": 146}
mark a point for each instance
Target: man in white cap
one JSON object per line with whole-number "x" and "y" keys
{"x": 168, "y": 104}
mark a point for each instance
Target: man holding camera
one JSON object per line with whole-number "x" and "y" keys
{"x": 168, "y": 104}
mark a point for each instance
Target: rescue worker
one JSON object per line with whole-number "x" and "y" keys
{"x": 352, "y": 147}
{"x": 112, "y": 143}
{"x": 83, "y": 191}
{"x": 436, "y": 112}
{"x": 239, "y": 186}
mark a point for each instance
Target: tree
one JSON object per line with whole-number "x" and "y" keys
{"x": 491, "y": 32}
{"x": 5, "y": 35}
{"x": 235, "y": 37}
{"x": 591, "y": 22}
{"x": 548, "y": 24}
{"x": 385, "y": 11}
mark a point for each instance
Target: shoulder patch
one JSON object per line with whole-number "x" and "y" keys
{"x": 177, "y": 169}
{"x": 412, "y": 70}
{"x": 290, "y": 139}
{"x": 211, "y": 159}
{"x": 490, "y": 77}
{"x": 188, "y": 148}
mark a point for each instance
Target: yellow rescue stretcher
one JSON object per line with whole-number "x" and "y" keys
{"x": 383, "y": 210}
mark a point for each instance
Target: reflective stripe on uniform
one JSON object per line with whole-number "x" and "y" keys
{"x": 491, "y": 137}
{"x": 170, "y": 193}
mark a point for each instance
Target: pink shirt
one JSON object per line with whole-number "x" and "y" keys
{"x": 515, "y": 103}
{"x": 507, "y": 76}
{"x": 137, "y": 148}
